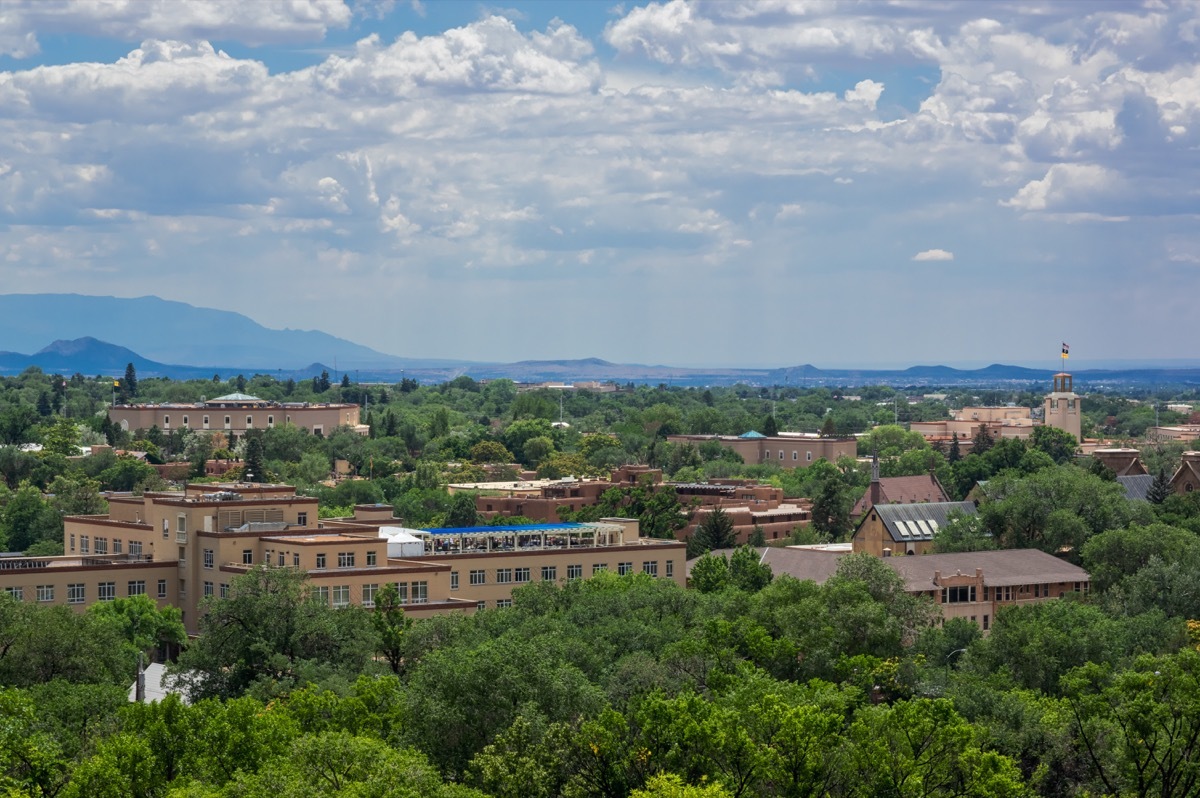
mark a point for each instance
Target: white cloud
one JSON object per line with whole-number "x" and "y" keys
{"x": 933, "y": 254}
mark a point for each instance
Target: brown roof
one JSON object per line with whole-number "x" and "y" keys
{"x": 1000, "y": 568}
{"x": 904, "y": 490}
{"x": 1189, "y": 472}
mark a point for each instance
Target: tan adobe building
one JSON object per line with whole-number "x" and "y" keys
{"x": 898, "y": 490}
{"x": 237, "y": 413}
{"x": 788, "y": 450}
{"x": 971, "y": 585}
{"x": 902, "y": 529}
{"x": 1063, "y": 407}
{"x": 1001, "y": 422}
{"x": 1184, "y": 432}
{"x": 181, "y": 548}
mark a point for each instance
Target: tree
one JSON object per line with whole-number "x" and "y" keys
{"x": 955, "y": 452}
{"x": 828, "y": 426}
{"x": 345, "y": 380}
{"x": 255, "y": 468}
{"x": 747, "y": 571}
{"x": 391, "y": 627}
{"x": 139, "y": 620}
{"x": 1057, "y": 443}
{"x": 831, "y": 509}
{"x": 983, "y": 440}
{"x": 75, "y": 494}
{"x": 714, "y": 532}
{"x": 1160, "y": 488}
{"x": 490, "y": 452}
{"x": 770, "y": 426}
{"x": 27, "y": 519}
{"x": 462, "y": 512}
{"x": 710, "y": 573}
{"x": 130, "y": 385}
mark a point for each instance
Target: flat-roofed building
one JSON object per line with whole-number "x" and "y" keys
{"x": 787, "y": 450}
{"x": 236, "y": 413}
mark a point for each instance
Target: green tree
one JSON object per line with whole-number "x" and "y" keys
{"x": 831, "y": 509}
{"x": 709, "y": 573}
{"x": 139, "y": 620}
{"x": 490, "y": 452}
{"x": 1058, "y": 443}
{"x": 131, "y": 381}
{"x": 255, "y": 468}
{"x": 462, "y": 512}
{"x": 747, "y": 571}
{"x": 1160, "y": 488}
{"x": 714, "y": 532}
{"x": 28, "y": 519}
{"x": 391, "y": 627}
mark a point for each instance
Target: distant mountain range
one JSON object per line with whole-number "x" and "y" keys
{"x": 100, "y": 335}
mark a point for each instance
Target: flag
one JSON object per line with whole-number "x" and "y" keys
{"x": 1066, "y": 351}
{"x": 116, "y": 383}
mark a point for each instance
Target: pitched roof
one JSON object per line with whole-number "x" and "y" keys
{"x": 1136, "y": 486}
{"x": 1188, "y": 473}
{"x": 921, "y": 521}
{"x": 904, "y": 490}
{"x": 752, "y": 434}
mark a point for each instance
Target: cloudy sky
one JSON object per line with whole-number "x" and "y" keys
{"x": 721, "y": 183}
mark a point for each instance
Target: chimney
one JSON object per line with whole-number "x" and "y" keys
{"x": 875, "y": 486}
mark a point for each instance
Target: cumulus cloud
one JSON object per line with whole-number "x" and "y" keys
{"x": 933, "y": 254}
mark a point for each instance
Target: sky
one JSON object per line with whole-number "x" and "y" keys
{"x": 739, "y": 183}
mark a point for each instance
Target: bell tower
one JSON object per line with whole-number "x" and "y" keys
{"x": 1063, "y": 406}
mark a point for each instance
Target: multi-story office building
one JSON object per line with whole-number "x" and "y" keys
{"x": 181, "y": 548}
{"x": 236, "y": 414}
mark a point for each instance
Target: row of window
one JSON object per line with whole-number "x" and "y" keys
{"x": 795, "y": 456}
{"x": 99, "y": 545}
{"x": 506, "y": 576}
{"x": 966, "y": 593}
{"x": 77, "y": 592}
{"x": 345, "y": 559}
{"x": 339, "y": 595}
{"x": 228, "y": 421}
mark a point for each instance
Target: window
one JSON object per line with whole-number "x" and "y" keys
{"x": 502, "y": 603}
{"x": 223, "y": 590}
{"x": 478, "y": 577}
{"x": 481, "y": 605}
{"x": 185, "y": 421}
{"x": 85, "y": 544}
{"x": 341, "y": 595}
{"x": 107, "y": 591}
{"x": 624, "y": 568}
{"x": 958, "y": 595}
{"x": 270, "y": 421}
{"x": 206, "y": 422}
{"x": 181, "y": 523}
{"x": 228, "y": 422}
{"x": 45, "y": 592}
{"x": 420, "y": 592}
{"x": 166, "y": 421}
{"x": 282, "y": 559}
{"x": 249, "y": 422}
{"x": 17, "y": 593}
{"x": 549, "y": 573}
{"x": 137, "y": 587}
{"x": 320, "y": 560}
{"x": 301, "y": 519}
{"x": 101, "y": 545}
{"x": 401, "y": 592}
{"x": 670, "y": 569}
{"x": 135, "y": 548}
{"x": 454, "y": 580}
{"x": 345, "y": 559}
{"x": 295, "y": 560}
{"x": 781, "y": 454}
{"x": 76, "y": 593}
{"x": 321, "y": 594}
{"x": 795, "y": 454}
{"x": 597, "y": 567}
{"x": 72, "y": 542}
{"x": 116, "y": 545}
{"x": 166, "y": 528}
{"x": 808, "y": 456}
{"x": 162, "y": 588}
{"x": 522, "y": 575}
{"x": 371, "y": 561}
{"x": 208, "y": 558}
{"x": 574, "y": 572}
{"x": 208, "y": 589}
{"x": 986, "y": 620}
{"x": 650, "y": 567}
{"x": 503, "y": 576}
{"x": 369, "y": 592}
{"x": 247, "y": 557}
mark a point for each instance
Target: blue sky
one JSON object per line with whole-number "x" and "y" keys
{"x": 691, "y": 183}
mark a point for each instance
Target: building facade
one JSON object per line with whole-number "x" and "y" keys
{"x": 786, "y": 450}
{"x": 236, "y": 414}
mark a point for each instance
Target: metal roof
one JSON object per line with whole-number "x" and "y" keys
{"x": 920, "y": 521}
{"x": 1136, "y": 486}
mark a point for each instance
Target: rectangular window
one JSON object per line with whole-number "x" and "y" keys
{"x": 206, "y": 422}
{"x": 574, "y": 572}
{"x": 85, "y": 544}
{"x": 166, "y": 421}
{"x": 321, "y": 594}
{"x": 958, "y": 595}
{"x": 162, "y": 588}
{"x": 249, "y": 422}
{"x": 72, "y": 541}
{"x": 17, "y": 593}
{"x": 341, "y": 595}
{"x": 45, "y": 592}
{"x": 597, "y": 567}
{"x": 808, "y": 456}
{"x": 795, "y": 454}
{"x": 781, "y": 454}
{"x": 624, "y": 568}
{"x": 345, "y": 559}
{"x": 549, "y": 573}
{"x": 503, "y": 576}
{"x": 503, "y": 603}
{"x": 371, "y": 561}
{"x": 76, "y": 593}
{"x": 181, "y": 523}
{"x": 137, "y": 587}
{"x": 208, "y": 589}
{"x": 478, "y": 577}
{"x": 401, "y": 592}
{"x": 223, "y": 590}
{"x": 282, "y": 559}
{"x": 247, "y": 557}
{"x": 301, "y": 519}
{"x": 209, "y": 558}
{"x": 101, "y": 545}
{"x": 228, "y": 422}
{"x": 135, "y": 548}
{"x": 481, "y": 605}
{"x": 522, "y": 575}
{"x": 106, "y": 591}
{"x": 116, "y": 545}
{"x": 320, "y": 560}
{"x": 270, "y": 421}
{"x": 185, "y": 421}
{"x": 420, "y": 592}
{"x": 986, "y": 620}
{"x": 166, "y": 528}
{"x": 650, "y": 567}
{"x": 670, "y": 569}
{"x": 454, "y": 580}
{"x": 369, "y": 592}
{"x": 295, "y": 560}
